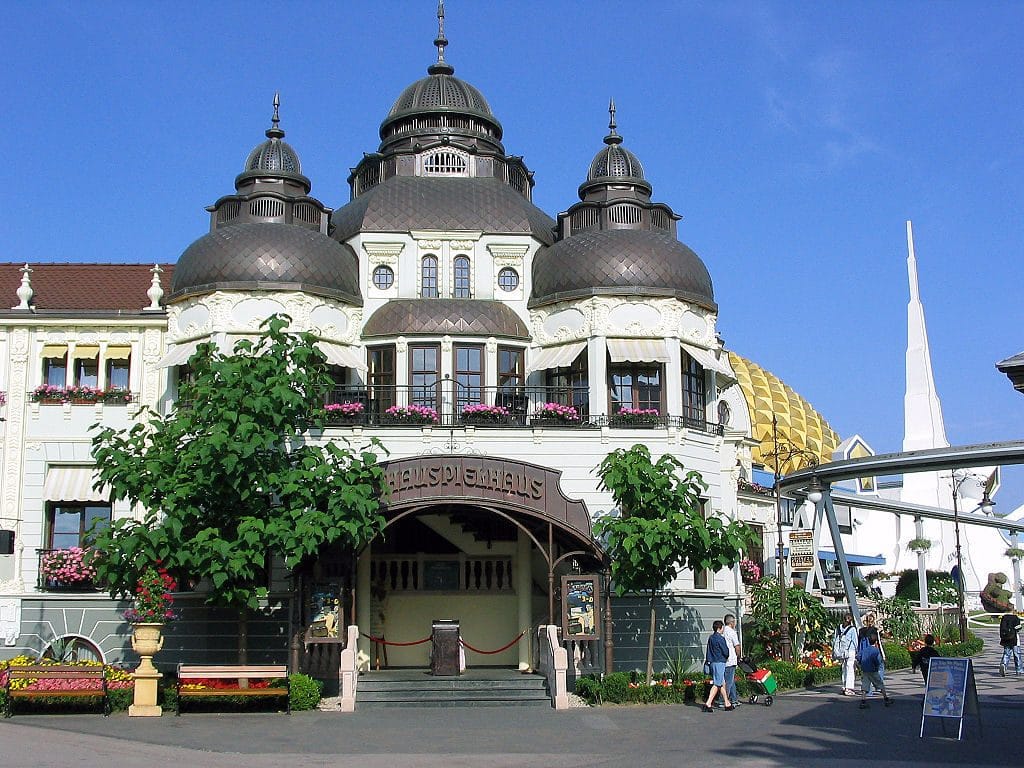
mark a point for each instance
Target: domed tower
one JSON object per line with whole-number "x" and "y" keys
{"x": 616, "y": 240}
{"x": 441, "y": 165}
{"x": 619, "y": 303}
{"x": 269, "y": 235}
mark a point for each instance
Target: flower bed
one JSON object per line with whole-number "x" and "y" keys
{"x": 120, "y": 684}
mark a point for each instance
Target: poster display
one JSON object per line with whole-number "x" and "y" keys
{"x": 801, "y": 550}
{"x": 951, "y": 692}
{"x": 580, "y": 601}
{"x": 325, "y": 610}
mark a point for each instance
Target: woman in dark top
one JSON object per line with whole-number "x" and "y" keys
{"x": 716, "y": 656}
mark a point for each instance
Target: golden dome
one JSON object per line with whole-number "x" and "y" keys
{"x": 799, "y": 425}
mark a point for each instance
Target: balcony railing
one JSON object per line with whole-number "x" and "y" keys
{"x": 452, "y": 404}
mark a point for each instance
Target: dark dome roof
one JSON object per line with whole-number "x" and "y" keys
{"x": 631, "y": 261}
{"x": 267, "y": 256}
{"x": 440, "y": 92}
{"x": 474, "y": 317}
{"x": 404, "y": 203}
{"x": 615, "y": 161}
{"x": 273, "y": 155}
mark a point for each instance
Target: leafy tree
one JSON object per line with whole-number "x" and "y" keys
{"x": 661, "y": 528}
{"x": 232, "y": 476}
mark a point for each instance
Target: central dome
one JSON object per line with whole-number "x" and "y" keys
{"x": 440, "y": 91}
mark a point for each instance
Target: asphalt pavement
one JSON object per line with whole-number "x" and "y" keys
{"x": 802, "y": 728}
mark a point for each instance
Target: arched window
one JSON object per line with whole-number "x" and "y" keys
{"x": 428, "y": 277}
{"x": 72, "y": 649}
{"x": 444, "y": 163}
{"x": 462, "y": 282}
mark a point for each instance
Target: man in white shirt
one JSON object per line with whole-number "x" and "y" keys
{"x": 732, "y": 639}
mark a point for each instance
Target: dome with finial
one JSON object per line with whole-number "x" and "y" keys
{"x": 614, "y": 162}
{"x": 274, "y": 156}
{"x": 441, "y": 92}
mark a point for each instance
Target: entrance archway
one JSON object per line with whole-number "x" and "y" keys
{"x": 473, "y": 538}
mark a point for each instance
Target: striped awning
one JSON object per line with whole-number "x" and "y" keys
{"x": 346, "y": 357}
{"x": 555, "y": 357}
{"x": 118, "y": 353}
{"x": 85, "y": 352}
{"x": 73, "y": 483}
{"x": 637, "y": 351}
{"x": 711, "y": 361}
{"x": 178, "y": 355}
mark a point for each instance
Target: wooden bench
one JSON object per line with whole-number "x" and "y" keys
{"x": 67, "y": 672}
{"x": 191, "y": 672}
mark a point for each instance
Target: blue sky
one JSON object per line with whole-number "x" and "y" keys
{"x": 794, "y": 138}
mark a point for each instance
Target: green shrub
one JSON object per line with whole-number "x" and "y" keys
{"x": 900, "y": 620}
{"x": 305, "y": 691}
{"x": 896, "y": 656}
{"x": 941, "y": 589}
{"x": 589, "y": 689}
{"x": 972, "y": 646}
{"x": 615, "y": 688}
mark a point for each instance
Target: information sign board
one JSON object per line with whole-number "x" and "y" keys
{"x": 801, "y": 550}
{"x": 950, "y": 692}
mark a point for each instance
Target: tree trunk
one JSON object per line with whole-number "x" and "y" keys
{"x": 650, "y": 640}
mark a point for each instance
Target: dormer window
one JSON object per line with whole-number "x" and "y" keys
{"x": 445, "y": 162}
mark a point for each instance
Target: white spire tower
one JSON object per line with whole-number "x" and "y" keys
{"x": 923, "y": 426}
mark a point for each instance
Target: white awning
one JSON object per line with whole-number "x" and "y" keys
{"x": 85, "y": 352}
{"x": 73, "y": 484}
{"x": 346, "y": 357}
{"x": 555, "y": 357}
{"x": 719, "y": 363}
{"x": 637, "y": 351}
{"x": 118, "y": 353}
{"x": 178, "y": 354}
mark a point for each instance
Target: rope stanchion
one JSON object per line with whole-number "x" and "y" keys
{"x": 382, "y": 641}
{"x": 491, "y": 653}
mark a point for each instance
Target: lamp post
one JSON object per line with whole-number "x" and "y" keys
{"x": 985, "y": 506}
{"x": 783, "y": 453}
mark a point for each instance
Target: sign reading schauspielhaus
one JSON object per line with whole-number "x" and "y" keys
{"x": 485, "y": 481}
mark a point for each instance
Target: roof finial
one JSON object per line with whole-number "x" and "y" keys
{"x": 441, "y": 67}
{"x": 25, "y": 291}
{"x": 156, "y": 291}
{"x": 613, "y": 136}
{"x": 274, "y": 131}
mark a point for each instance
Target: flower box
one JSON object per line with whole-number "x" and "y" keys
{"x": 345, "y": 413}
{"x": 485, "y": 415}
{"x": 411, "y": 415}
{"x": 636, "y": 417}
{"x": 556, "y": 415}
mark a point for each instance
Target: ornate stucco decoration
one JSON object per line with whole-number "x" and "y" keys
{"x": 431, "y": 238}
{"x": 383, "y": 253}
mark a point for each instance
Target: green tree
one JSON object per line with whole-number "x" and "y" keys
{"x": 661, "y": 527}
{"x": 809, "y": 621}
{"x": 234, "y": 474}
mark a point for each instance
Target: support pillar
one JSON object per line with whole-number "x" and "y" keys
{"x": 364, "y": 609}
{"x": 524, "y": 597}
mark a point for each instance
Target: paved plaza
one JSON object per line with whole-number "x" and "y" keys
{"x": 819, "y": 728}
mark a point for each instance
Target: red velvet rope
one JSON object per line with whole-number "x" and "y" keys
{"x": 489, "y": 653}
{"x": 373, "y": 639}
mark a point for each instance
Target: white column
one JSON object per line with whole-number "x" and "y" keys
{"x": 524, "y": 596}
{"x": 364, "y": 612}
{"x": 597, "y": 375}
{"x": 673, "y": 379}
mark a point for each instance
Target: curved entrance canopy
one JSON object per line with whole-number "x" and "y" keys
{"x": 492, "y": 483}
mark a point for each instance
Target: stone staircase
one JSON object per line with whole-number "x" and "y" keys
{"x": 495, "y": 687}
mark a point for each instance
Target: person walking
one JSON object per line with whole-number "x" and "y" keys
{"x": 732, "y": 639}
{"x": 844, "y": 650}
{"x": 871, "y": 671}
{"x": 925, "y": 655}
{"x": 715, "y": 656}
{"x": 868, "y": 635}
{"x": 1009, "y": 638}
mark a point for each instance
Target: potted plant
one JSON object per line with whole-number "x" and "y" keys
{"x": 1014, "y": 553}
{"x": 67, "y": 568}
{"x": 411, "y": 414}
{"x": 919, "y": 545}
{"x": 47, "y": 393}
{"x": 116, "y": 395}
{"x": 485, "y": 414}
{"x": 637, "y": 417}
{"x": 345, "y": 413}
{"x": 555, "y": 413}
{"x": 77, "y": 394}
{"x": 153, "y": 597}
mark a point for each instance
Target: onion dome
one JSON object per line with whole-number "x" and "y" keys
{"x": 267, "y": 256}
{"x": 797, "y": 422}
{"x": 459, "y": 110}
{"x": 614, "y": 164}
{"x": 274, "y": 157}
{"x": 634, "y": 262}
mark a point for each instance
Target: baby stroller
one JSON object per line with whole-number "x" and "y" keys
{"x": 762, "y": 680}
